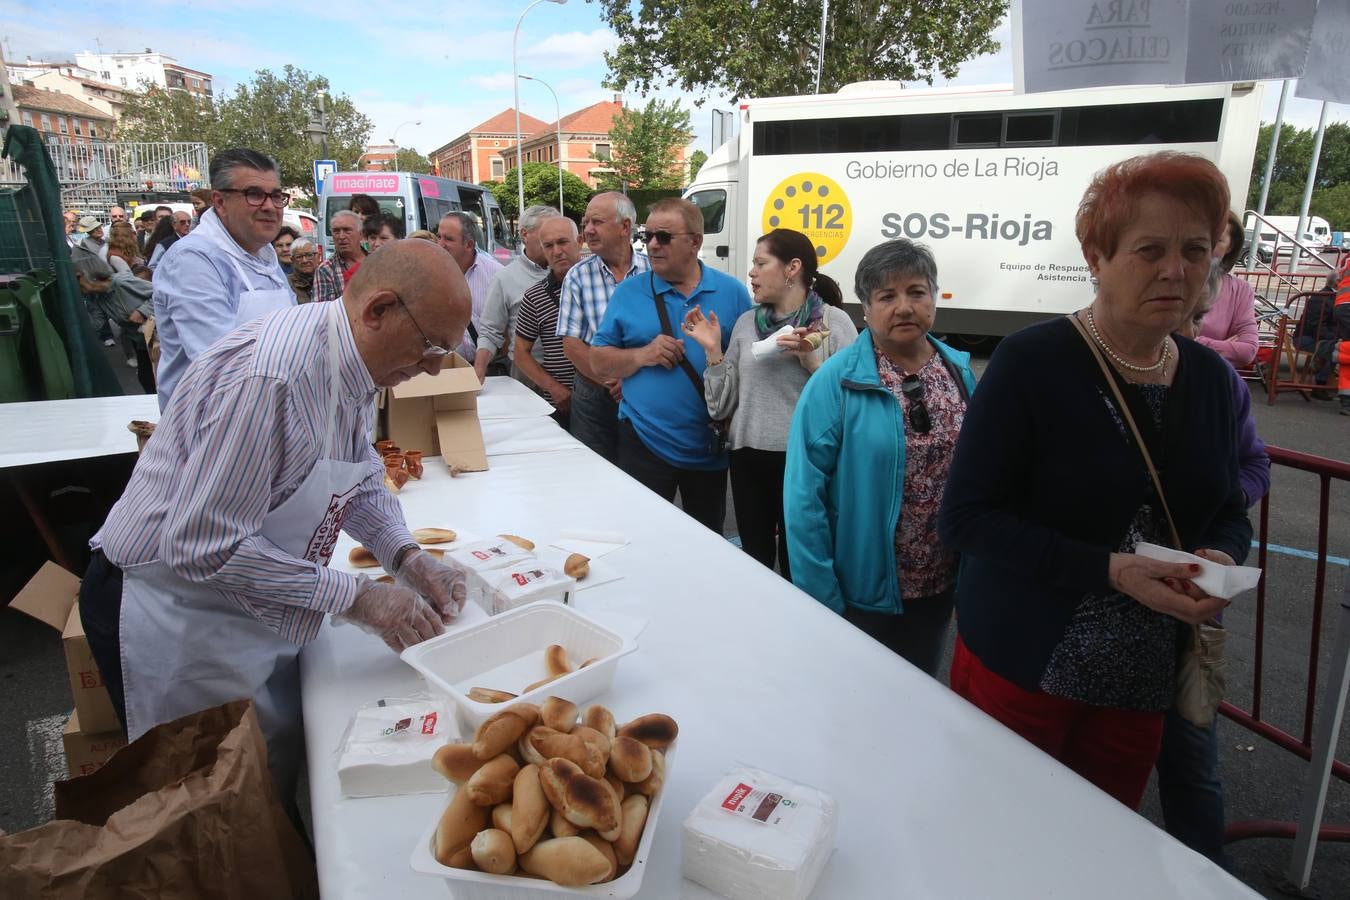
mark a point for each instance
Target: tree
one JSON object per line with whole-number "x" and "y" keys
{"x": 645, "y": 146}
{"x": 270, "y": 113}
{"x": 696, "y": 161}
{"x": 409, "y": 160}
{"x": 1292, "y": 158}
{"x": 764, "y": 48}
{"x": 155, "y": 115}
{"x": 541, "y": 187}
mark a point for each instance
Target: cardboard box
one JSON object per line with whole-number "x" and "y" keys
{"x": 52, "y": 596}
{"x": 87, "y": 753}
{"x": 438, "y": 414}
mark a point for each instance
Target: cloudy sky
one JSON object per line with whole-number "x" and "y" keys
{"x": 447, "y": 66}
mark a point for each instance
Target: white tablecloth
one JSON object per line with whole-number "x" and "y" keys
{"x": 54, "y": 430}
{"x": 935, "y": 799}
{"x": 503, "y": 397}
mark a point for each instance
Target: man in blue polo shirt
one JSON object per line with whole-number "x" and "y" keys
{"x": 666, "y": 440}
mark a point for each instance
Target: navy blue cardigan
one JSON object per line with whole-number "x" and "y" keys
{"x": 1043, "y": 486}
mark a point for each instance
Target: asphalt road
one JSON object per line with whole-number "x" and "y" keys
{"x": 1262, "y": 781}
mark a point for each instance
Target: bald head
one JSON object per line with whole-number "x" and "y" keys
{"x": 407, "y": 285}
{"x": 608, "y": 226}
{"x": 558, "y": 242}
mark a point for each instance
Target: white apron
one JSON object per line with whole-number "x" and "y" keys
{"x": 254, "y": 303}
{"x": 186, "y": 647}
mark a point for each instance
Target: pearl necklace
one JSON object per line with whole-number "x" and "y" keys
{"x": 1101, "y": 342}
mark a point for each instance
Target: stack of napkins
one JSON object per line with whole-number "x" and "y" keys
{"x": 389, "y": 745}
{"x": 1215, "y": 579}
{"x": 759, "y": 836}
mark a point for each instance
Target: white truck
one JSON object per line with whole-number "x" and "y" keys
{"x": 989, "y": 179}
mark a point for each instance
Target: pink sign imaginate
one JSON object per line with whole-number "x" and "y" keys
{"x": 430, "y": 188}
{"x": 364, "y": 183}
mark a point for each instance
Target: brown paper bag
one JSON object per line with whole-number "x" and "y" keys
{"x": 186, "y": 811}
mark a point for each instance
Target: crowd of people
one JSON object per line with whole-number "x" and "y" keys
{"x": 866, "y": 466}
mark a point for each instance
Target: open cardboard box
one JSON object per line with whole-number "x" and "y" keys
{"x": 87, "y": 752}
{"x": 438, "y": 414}
{"x": 52, "y": 596}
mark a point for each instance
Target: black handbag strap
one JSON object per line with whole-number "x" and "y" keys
{"x": 659, "y": 298}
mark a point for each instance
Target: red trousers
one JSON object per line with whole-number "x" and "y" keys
{"x": 1115, "y": 749}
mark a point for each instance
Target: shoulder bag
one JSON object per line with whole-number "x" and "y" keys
{"x": 1201, "y": 671}
{"x": 719, "y": 437}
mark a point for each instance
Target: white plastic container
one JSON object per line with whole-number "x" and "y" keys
{"x": 468, "y": 885}
{"x": 506, "y": 653}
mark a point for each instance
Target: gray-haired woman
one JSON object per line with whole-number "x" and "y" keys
{"x": 867, "y": 460}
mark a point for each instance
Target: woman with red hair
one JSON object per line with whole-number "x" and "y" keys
{"x": 1064, "y": 634}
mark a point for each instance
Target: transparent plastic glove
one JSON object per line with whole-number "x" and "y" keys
{"x": 397, "y": 615}
{"x": 442, "y": 585}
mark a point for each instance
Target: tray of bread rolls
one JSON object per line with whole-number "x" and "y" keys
{"x": 535, "y": 651}
{"x": 551, "y": 798}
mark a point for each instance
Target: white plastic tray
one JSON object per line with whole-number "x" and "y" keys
{"x": 472, "y": 885}
{"x": 506, "y": 653}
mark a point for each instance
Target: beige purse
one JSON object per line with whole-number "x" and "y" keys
{"x": 1201, "y": 671}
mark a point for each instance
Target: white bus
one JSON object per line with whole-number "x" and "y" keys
{"x": 989, "y": 179}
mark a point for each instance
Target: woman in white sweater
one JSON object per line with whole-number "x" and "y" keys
{"x": 758, "y": 392}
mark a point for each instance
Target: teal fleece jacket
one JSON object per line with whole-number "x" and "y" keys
{"x": 844, "y": 479}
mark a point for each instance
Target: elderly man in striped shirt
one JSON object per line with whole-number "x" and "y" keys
{"x": 210, "y": 572}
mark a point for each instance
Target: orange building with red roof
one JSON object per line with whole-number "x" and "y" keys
{"x": 474, "y": 156}
{"x": 585, "y": 142}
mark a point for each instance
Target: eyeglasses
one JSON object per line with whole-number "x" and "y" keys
{"x": 431, "y": 353}
{"x": 661, "y": 237}
{"x": 912, "y": 388}
{"x": 254, "y": 196}
{"x": 304, "y": 255}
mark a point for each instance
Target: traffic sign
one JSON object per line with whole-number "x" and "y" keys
{"x": 323, "y": 170}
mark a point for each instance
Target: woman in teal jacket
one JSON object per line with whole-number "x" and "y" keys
{"x": 867, "y": 459}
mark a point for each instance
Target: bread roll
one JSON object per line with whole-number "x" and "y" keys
{"x": 607, "y": 849}
{"x": 461, "y": 820}
{"x": 463, "y": 858}
{"x": 593, "y": 659}
{"x": 503, "y": 729}
{"x": 493, "y": 851}
{"x": 577, "y": 566}
{"x": 560, "y": 827}
{"x": 541, "y": 682}
{"x": 362, "y": 558}
{"x": 434, "y": 535}
{"x": 501, "y": 815}
{"x": 528, "y": 754}
{"x": 437, "y": 554}
{"x": 568, "y": 861}
{"x": 620, "y": 789}
{"x": 489, "y": 695}
{"x": 529, "y": 809}
{"x": 656, "y": 730}
{"x": 630, "y": 759}
{"x": 456, "y": 762}
{"x": 491, "y": 784}
{"x": 584, "y": 801}
{"x": 634, "y": 814}
{"x": 522, "y": 543}
{"x": 553, "y": 744}
{"x": 558, "y": 714}
{"x": 612, "y": 834}
{"x": 386, "y": 579}
{"x": 555, "y": 659}
{"x": 601, "y": 719}
{"x": 655, "y": 781}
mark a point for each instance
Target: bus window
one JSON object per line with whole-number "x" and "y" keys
{"x": 713, "y": 205}
{"x": 1030, "y": 129}
{"x": 435, "y": 208}
{"x": 977, "y": 130}
{"x": 501, "y": 237}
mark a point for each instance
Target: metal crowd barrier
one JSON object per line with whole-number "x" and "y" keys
{"x": 1319, "y": 747}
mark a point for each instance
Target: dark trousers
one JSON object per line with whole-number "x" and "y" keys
{"x": 917, "y": 634}
{"x": 145, "y": 369}
{"x": 757, "y": 491}
{"x": 1189, "y": 786}
{"x": 100, "y": 609}
{"x": 595, "y": 418}
{"x": 703, "y": 494}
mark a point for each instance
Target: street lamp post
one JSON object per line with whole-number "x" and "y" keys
{"x": 317, "y": 129}
{"x": 394, "y": 140}
{"x": 515, "y": 86}
{"x": 557, "y": 111}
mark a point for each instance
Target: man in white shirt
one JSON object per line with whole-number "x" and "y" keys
{"x": 497, "y": 327}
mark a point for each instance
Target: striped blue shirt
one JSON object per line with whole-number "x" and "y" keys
{"x": 242, "y": 431}
{"x": 585, "y": 295}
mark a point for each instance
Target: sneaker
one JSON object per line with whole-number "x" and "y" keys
{"x": 131, "y": 362}
{"x": 109, "y": 342}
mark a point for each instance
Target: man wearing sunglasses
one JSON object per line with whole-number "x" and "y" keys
{"x": 666, "y": 440}
{"x": 224, "y": 272}
{"x": 211, "y": 572}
